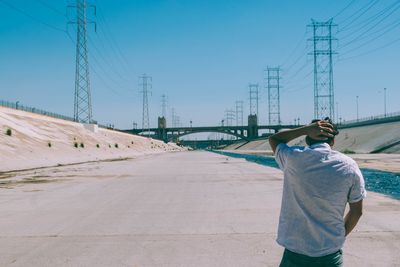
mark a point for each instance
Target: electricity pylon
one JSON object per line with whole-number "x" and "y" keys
{"x": 239, "y": 113}
{"x": 145, "y": 83}
{"x": 324, "y": 103}
{"x": 273, "y": 86}
{"x": 82, "y": 99}
{"x": 253, "y": 91}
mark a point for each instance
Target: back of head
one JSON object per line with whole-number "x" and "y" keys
{"x": 329, "y": 140}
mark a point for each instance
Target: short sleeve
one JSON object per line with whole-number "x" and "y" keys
{"x": 281, "y": 153}
{"x": 357, "y": 190}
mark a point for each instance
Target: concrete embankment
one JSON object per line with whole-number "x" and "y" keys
{"x": 29, "y": 140}
{"x": 379, "y": 138}
{"x": 187, "y": 209}
{"x": 373, "y": 146}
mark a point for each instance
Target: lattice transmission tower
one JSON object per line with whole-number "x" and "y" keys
{"x": 164, "y": 106}
{"x": 254, "y": 93}
{"x": 175, "y": 119}
{"x": 82, "y": 99}
{"x": 273, "y": 85}
{"x": 145, "y": 83}
{"x": 239, "y": 113}
{"x": 322, "y": 40}
{"x": 229, "y": 117}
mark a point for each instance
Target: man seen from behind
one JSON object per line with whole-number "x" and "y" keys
{"x": 318, "y": 184}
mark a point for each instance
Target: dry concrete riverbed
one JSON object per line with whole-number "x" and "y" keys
{"x": 173, "y": 209}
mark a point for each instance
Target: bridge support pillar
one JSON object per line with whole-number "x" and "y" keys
{"x": 252, "y": 127}
{"x": 161, "y": 131}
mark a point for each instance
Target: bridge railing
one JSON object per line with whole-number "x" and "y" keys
{"x": 388, "y": 117}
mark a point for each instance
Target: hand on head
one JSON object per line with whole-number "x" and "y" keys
{"x": 321, "y": 130}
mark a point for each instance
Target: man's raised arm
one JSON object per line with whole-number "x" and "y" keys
{"x": 319, "y": 130}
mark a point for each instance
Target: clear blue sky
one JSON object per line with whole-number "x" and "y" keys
{"x": 202, "y": 54}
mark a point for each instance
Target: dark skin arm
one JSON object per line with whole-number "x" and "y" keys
{"x": 319, "y": 130}
{"x": 352, "y": 217}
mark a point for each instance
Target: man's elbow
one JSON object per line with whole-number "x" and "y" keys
{"x": 272, "y": 142}
{"x": 356, "y": 208}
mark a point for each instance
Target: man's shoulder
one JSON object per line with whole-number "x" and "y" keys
{"x": 343, "y": 156}
{"x": 283, "y": 147}
{"x": 352, "y": 164}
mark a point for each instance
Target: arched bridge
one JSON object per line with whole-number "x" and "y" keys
{"x": 241, "y": 132}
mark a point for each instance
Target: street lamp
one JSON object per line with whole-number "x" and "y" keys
{"x": 357, "y": 107}
{"x": 384, "y": 100}
{"x": 337, "y": 111}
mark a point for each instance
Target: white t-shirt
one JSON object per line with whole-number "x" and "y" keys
{"x": 318, "y": 182}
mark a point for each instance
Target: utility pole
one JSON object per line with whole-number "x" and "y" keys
{"x": 384, "y": 100}
{"x": 145, "y": 83}
{"x": 337, "y": 111}
{"x": 239, "y": 113}
{"x": 357, "y": 106}
{"x": 273, "y": 86}
{"x": 82, "y": 99}
{"x": 323, "y": 68}
{"x": 253, "y": 91}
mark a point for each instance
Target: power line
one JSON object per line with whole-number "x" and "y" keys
{"x": 297, "y": 89}
{"x": 109, "y": 64}
{"x": 299, "y": 70}
{"x": 100, "y": 66}
{"x": 370, "y": 28}
{"x": 344, "y": 9}
{"x": 296, "y": 61}
{"x": 104, "y": 82}
{"x": 373, "y": 39}
{"x": 354, "y": 18}
{"x": 106, "y": 73}
{"x": 113, "y": 44}
{"x": 391, "y": 26}
{"x": 32, "y": 17}
{"x": 362, "y": 24}
{"x": 372, "y": 50}
{"x": 295, "y": 48}
{"x": 300, "y": 79}
{"x": 52, "y": 8}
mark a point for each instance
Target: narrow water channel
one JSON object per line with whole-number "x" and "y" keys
{"x": 387, "y": 183}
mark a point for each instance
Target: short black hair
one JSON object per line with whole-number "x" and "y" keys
{"x": 329, "y": 140}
